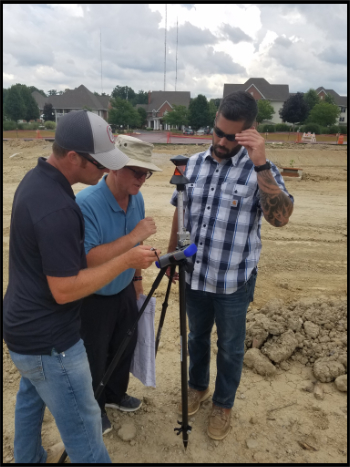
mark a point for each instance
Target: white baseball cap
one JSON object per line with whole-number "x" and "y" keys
{"x": 139, "y": 152}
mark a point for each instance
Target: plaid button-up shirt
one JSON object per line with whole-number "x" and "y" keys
{"x": 223, "y": 216}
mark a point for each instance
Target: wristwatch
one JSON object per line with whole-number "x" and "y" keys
{"x": 259, "y": 168}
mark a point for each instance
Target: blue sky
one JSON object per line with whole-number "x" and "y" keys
{"x": 57, "y": 46}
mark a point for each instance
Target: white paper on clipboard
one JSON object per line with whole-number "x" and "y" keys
{"x": 143, "y": 364}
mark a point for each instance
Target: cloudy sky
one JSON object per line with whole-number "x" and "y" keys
{"x": 55, "y": 46}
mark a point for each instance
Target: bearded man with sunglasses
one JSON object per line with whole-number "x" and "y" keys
{"x": 114, "y": 214}
{"x": 48, "y": 277}
{"x": 232, "y": 185}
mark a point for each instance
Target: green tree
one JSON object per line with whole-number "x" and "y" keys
{"x": 4, "y": 92}
{"x": 199, "y": 112}
{"x": 123, "y": 113}
{"x": 123, "y": 92}
{"x": 31, "y": 107}
{"x": 216, "y": 102}
{"x": 48, "y": 112}
{"x": 311, "y": 98}
{"x": 212, "y": 109}
{"x": 14, "y": 106}
{"x": 52, "y": 92}
{"x": 265, "y": 110}
{"x": 324, "y": 114}
{"x": 143, "y": 116}
{"x": 140, "y": 98}
{"x": 177, "y": 116}
{"x": 33, "y": 88}
{"x": 329, "y": 99}
{"x": 295, "y": 109}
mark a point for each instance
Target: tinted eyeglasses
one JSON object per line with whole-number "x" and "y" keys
{"x": 221, "y": 134}
{"x": 92, "y": 160}
{"x": 139, "y": 174}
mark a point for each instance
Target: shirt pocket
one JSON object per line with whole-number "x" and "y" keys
{"x": 235, "y": 195}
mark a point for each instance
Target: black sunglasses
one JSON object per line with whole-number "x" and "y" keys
{"x": 138, "y": 174}
{"x": 221, "y": 134}
{"x": 92, "y": 160}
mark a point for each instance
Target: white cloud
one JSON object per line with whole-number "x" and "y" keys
{"x": 58, "y": 45}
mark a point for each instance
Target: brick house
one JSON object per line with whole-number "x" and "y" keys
{"x": 340, "y": 101}
{"x": 259, "y": 88}
{"x": 161, "y": 102}
{"x": 75, "y": 99}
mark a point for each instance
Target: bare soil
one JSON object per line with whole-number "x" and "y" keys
{"x": 288, "y": 407}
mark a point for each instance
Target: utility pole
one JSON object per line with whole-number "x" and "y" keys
{"x": 165, "y": 44}
{"x": 177, "y": 40}
{"x": 101, "y": 62}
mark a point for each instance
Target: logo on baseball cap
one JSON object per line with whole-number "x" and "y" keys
{"x": 85, "y": 132}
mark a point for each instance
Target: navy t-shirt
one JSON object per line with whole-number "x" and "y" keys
{"x": 46, "y": 239}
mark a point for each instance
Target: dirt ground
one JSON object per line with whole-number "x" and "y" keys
{"x": 291, "y": 405}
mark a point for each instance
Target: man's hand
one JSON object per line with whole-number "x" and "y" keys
{"x": 144, "y": 229}
{"x": 141, "y": 257}
{"x": 175, "y": 276}
{"x": 254, "y": 143}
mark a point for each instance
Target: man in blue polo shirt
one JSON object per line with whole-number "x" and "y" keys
{"x": 232, "y": 185}
{"x": 48, "y": 277}
{"x": 114, "y": 215}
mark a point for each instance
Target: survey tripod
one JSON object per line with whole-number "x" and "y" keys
{"x": 176, "y": 258}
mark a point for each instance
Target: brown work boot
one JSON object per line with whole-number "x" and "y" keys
{"x": 194, "y": 400}
{"x": 54, "y": 453}
{"x": 219, "y": 422}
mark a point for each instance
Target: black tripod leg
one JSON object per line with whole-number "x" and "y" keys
{"x": 127, "y": 338}
{"x": 164, "y": 307}
{"x": 183, "y": 336}
{"x": 122, "y": 347}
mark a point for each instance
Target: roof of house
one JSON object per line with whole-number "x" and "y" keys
{"x": 74, "y": 99}
{"x": 173, "y": 97}
{"x": 272, "y": 92}
{"x": 339, "y": 100}
{"x": 142, "y": 106}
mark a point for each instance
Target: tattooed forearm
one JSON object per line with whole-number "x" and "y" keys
{"x": 276, "y": 205}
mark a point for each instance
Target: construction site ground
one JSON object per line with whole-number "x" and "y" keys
{"x": 303, "y": 266}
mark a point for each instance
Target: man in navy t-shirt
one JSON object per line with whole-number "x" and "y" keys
{"x": 48, "y": 277}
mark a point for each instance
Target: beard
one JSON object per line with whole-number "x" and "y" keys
{"x": 226, "y": 154}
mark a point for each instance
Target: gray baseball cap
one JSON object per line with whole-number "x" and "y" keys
{"x": 85, "y": 132}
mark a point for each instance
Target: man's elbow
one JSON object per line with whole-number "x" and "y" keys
{"x": 61, "y": 298}
{"x": 275, "y": 222}
{"x": 281, "y": 223}
{"x": 61, "y": 289}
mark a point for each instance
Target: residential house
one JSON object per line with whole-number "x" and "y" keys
{"x": 259, "y": 88}
{"x": 161, "y": 102}
{"x": 341, "y": 101}
{"x": 75, "y": 99}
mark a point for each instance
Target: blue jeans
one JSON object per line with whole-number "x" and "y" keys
{"x": 62, "y": 382}
{"x": 229, "y": 313}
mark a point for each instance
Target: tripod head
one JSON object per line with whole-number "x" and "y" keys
{"x": 183, "y": 250}
{"x": 179, "y": 179}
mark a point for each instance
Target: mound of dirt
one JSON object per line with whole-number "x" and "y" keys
{"x": 312, "y": 332}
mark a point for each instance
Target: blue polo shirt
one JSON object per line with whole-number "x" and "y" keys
{"x": 105, "y": 221}
{"x": 46, "y": 239}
